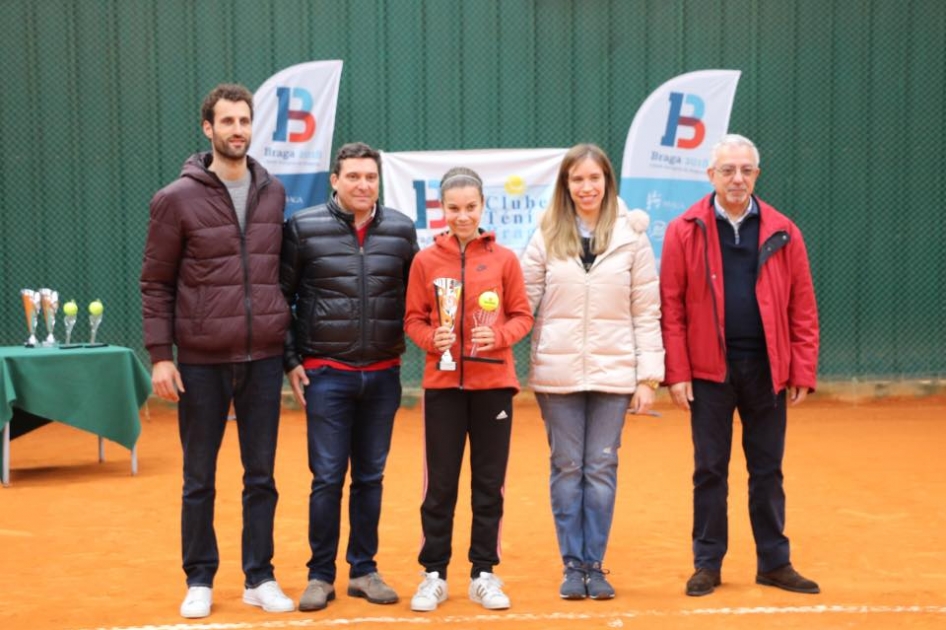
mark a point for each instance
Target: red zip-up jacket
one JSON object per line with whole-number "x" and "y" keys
{"x": 691, "y": 296}
{"x": 484, "y": 266}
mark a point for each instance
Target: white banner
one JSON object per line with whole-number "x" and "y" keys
{"x": 668, "y": 145}
{"x": 517, "y": 185}
{"x": 294, "y": 121}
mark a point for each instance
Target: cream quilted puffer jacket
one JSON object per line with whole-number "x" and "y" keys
{"x": 596, "y": 330}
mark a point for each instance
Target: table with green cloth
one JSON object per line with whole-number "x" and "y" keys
{"x": 96, "y": 389}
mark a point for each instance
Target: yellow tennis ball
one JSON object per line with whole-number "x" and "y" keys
{"x": 70, "y": 308}
{"x": 489, "y": 301}
{"x": 96, "y": 308}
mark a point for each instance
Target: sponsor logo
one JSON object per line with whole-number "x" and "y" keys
{"x": 676, "y": 118}
{"x": 285, "y": 112}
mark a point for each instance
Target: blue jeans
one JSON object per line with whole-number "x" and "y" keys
{"x": 763, "y": 416}
{"x": 255, "y": 389}
{"x": 584, "y": 433}
{"x": 350, "y": 417}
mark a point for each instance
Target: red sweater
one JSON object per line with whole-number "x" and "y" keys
{"x": 484, "y": 266}
{"x": 692, "y": 301}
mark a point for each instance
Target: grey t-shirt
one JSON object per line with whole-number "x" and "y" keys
{"x": 239, "y": 190}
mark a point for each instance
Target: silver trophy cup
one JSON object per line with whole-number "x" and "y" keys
{"x": 448, "y": 292}
{"x": 482, "y": 317}
{"x": 49, "y": 300}
{"x": 70, "y": 315}
{"x": 31, "y": 309}
{"x": 95, "y": 320}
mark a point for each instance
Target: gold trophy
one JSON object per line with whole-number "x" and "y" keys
{"x": 49, "y": 300}
{"x": 448, "y": 292}
{"x": 31, "y": 308}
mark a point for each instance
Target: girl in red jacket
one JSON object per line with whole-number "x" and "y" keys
{"x": 470, "y": 395}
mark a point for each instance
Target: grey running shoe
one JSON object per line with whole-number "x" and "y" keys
{"x": 598, "y": 587}
{"x": 573, "y": 584}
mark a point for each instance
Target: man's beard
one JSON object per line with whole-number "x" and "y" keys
{"x": 223, "y": 148}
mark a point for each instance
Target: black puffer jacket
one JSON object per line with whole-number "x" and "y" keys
{"x": 206, "y": 287}
{"x": 348, "y": 299}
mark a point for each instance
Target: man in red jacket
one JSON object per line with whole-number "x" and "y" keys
{"x": 210, "y": 287}
{"x": 740, "y": 329}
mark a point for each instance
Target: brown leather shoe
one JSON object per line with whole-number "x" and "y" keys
{"x": 703, "y": 582}
{"x": 787, "y": 578}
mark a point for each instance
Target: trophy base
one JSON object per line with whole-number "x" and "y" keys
{"x": 97, "y": 344}
{"x": 447, "y": 366}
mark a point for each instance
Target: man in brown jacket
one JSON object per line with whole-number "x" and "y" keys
{"x": 210, "y": 287}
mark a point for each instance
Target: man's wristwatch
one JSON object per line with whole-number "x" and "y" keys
{"x": 653, "y": 383}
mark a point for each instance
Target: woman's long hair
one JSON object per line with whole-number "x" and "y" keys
{"x": 559, "y": 225}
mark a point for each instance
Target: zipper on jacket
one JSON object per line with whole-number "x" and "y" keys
{"x": 462, "y": 305}
{"x": 709, "y": 281}
{"x": 251, "y": 205}
{"x": 770, "y": 247}
{"x": 363, "y": 283}
{"x": 584, "y": 331}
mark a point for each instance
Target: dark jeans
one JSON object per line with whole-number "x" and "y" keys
{"x": 255, "y": 389}
{"x": 350, "y": 417}
{"x": 763, "y": 416}
{"x": 450, "y": 415}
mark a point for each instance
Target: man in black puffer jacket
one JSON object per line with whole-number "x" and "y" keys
{"x": 344, "y": 270}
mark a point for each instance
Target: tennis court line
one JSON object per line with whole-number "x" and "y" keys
{"x": 529, "y": 617}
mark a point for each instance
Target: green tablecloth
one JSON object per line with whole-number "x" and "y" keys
{"x": 99, "y": 390}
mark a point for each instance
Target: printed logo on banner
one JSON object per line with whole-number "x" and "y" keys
{"x": 693, "y": 120}
{"x": 429, "y": 211}
{"x": 284, "y": 113}
{"x": 510, "y": 210}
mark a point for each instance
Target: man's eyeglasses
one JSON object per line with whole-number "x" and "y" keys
{"x": 730, "y": 171}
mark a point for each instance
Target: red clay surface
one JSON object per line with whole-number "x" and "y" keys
{"x": 86, "y": 545}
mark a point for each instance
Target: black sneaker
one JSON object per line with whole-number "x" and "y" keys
{"x": 573, "y": 584}
{"x": 596, "y": 584}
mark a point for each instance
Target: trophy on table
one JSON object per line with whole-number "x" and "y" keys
{"x": 31, "y": 308}
{"x": 70, "y": 312}
{"x": 49, "y": 300}
{"x": 447, "y": 291}
{"x": 95, "y": 320}
{"x": 486, "y": 314}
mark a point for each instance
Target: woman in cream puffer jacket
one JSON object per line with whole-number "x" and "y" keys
{"x": 596, "y": 330}
{"x": 597, "y": 351}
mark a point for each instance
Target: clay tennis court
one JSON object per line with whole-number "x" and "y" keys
{"x": 86, "y": 545}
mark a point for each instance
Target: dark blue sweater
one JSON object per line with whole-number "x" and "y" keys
{"x": 745, "y": 336}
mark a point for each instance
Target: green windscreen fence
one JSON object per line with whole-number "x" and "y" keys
{"x": 99, "y": 108}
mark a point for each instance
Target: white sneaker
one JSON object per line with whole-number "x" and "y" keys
{"x": 431, "y": 592}
{"x": 487, "y": 589}
{"x": 197, "y": 602}
{"x": 269, "y": 597}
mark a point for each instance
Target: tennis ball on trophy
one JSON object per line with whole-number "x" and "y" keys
{"x": 95, "y": 307}
{"x": 489, "y": 301}
{"x": 70, "y": 308}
